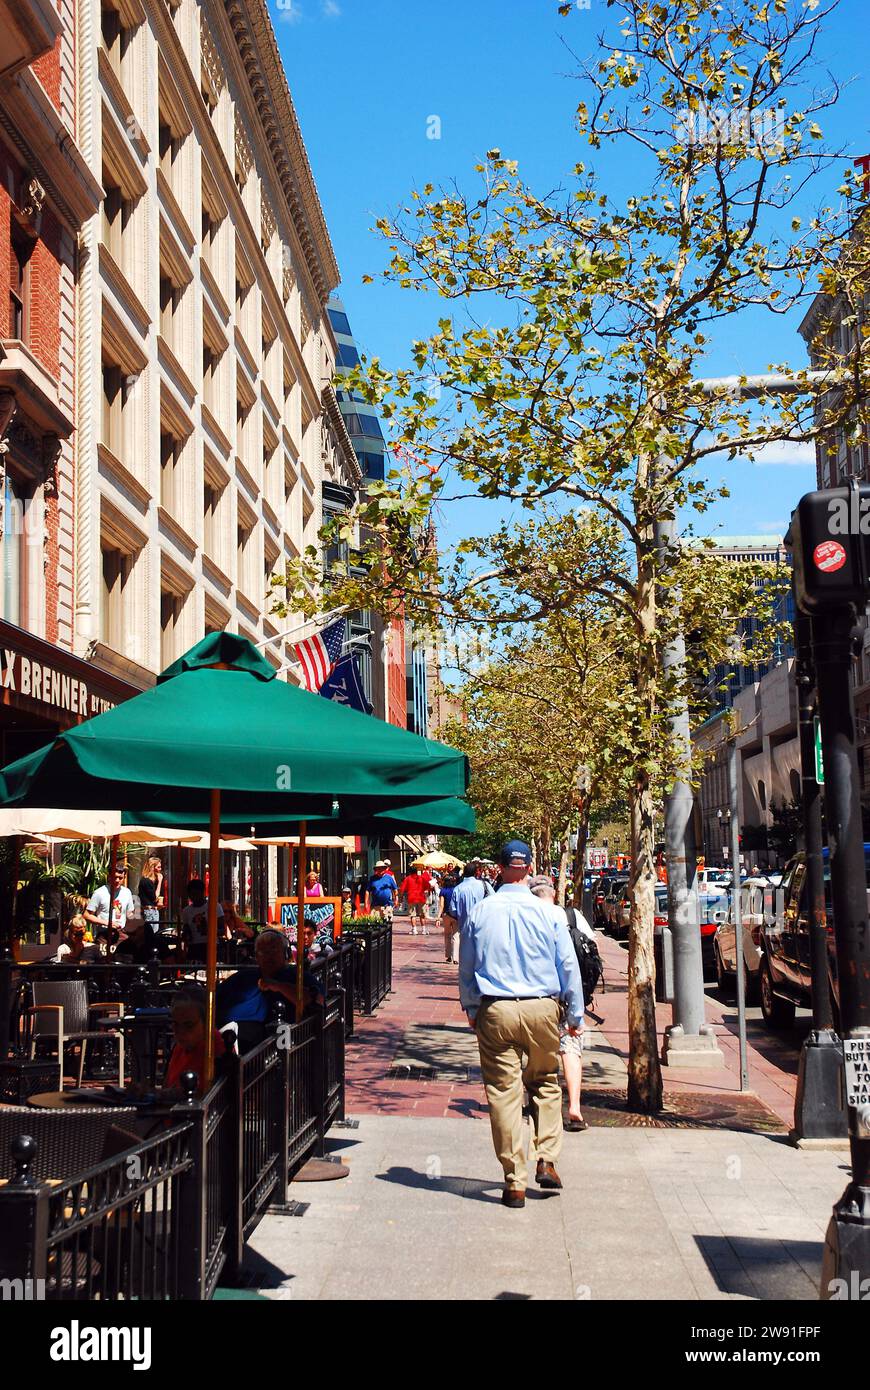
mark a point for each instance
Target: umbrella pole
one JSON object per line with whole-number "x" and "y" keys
{"x": 211, "y": 950}
{"x": 300, "y": 916}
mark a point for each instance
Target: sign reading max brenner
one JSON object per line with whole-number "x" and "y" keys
{"x": 39, "y": 678}
{"x": 39, "y": 681}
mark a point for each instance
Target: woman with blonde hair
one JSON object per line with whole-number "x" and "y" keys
{"x": 152, "y": 891}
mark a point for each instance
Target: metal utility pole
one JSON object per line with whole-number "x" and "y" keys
{"x": 689, "y": 1040}
{"x": 818, "y": 1111}
{"x": 737, "y": 910}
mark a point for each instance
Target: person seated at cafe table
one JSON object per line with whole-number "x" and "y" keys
{"x": 234, "y": 925}
{"x": 189, "y": 1023}
{"x": 139, "y": 944}
{"x": 74, "y": 947}
{"x": 246, "y": 998}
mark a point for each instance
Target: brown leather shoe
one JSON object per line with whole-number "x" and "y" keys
{"x": 513, "y": 1197}
{"x": 546, "y": 1175}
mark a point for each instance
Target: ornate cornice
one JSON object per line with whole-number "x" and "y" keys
{"x": 332, "y": 410}
{"x": 258, "y": 49}
{"x": 31, "y": 124}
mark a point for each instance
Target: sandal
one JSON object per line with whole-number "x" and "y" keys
{"x": 574, "y": 1126}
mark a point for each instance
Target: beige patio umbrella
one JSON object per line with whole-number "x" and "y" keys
{"x": 436, "y": 860}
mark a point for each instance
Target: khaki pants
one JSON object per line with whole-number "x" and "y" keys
{"x": 451, "y": 938}
{"x": 509, "y": 1030}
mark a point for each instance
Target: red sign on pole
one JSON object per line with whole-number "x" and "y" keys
{"x": 863, "y": 163}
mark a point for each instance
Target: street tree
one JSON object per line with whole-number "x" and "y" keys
{"x": 567, "y": 372}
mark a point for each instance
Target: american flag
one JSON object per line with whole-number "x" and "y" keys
{"x": 317, "y": 655}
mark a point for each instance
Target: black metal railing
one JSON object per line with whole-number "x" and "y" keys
{"x": 109, "y": 1233}
{"x": 373, "y": 968}
{"x": 169, "y": 1216}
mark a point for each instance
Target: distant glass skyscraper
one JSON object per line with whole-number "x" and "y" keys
{"x": 362, "y": 423}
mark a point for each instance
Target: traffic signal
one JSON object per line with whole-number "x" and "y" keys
{"x": 830, "y": 540}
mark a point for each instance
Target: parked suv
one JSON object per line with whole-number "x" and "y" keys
{"x": 784, "y": 969}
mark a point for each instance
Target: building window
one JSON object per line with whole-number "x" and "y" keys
{"x": 171, "y": 450}
{"x": 116, "y": 394}
{"x": 13, "y": 551}
{"x": 245, "y": 574}
{"x": 117, "y": 37}
{"x": 117, "y": 212}
{"x": 212, "y": 493}
{"x": 20, "y": 250}
{"x": 114, "y": 612}
{"x": 171, "y": 612}
{"x": 171, "y": 300}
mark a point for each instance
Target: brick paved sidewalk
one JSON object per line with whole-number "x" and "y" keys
{"x": 417, "y": 1055}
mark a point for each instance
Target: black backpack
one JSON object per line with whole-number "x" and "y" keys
{"x": 588, "y": 958}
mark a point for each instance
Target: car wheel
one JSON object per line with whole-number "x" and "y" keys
{"x": 777, "y": 1013}
{"x": 723, "y": 979}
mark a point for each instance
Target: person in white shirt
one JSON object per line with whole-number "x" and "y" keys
{"x": 570, "y": 1044}
{"x": 194, "y": 920}
{"x": 116, "y": 894}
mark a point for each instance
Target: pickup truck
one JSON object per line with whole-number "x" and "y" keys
{"x": 784, "y": 965}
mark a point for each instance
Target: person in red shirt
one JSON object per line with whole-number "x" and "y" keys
{"x": 189, "y": 1015}
{"x": 415, "y": 889}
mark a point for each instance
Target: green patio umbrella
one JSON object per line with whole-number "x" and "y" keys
{"x": 219, "y": 737}
{"x": 449, "y": 815}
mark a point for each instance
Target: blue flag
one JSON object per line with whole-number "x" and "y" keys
{"x": 345, "y": 686}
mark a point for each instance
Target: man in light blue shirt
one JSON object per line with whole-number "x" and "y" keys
{"x": 516, "y": 961}
{"x": 470, "y": 891}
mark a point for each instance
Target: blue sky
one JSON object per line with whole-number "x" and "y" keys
{"x": 367, "y": 76}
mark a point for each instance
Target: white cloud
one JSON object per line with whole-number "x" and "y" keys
{"x": 331, "y": 9}
{"x": 786, "y": 455}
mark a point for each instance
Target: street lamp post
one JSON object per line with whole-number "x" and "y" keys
{"x": 688, "y": 1035}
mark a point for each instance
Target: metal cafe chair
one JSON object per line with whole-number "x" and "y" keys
{"x": 60, "y": 1008}
{"x": 68, "y": 1142}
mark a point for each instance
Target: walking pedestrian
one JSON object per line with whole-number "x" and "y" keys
{"x": 570, "y": 1043}
{"x": 382, "y": 891}
{"x": 516, "y": 963}
{"x": 433, "y": 900}
{"x": 469, "y": 891}
{"x": 415, "y": 890}
{"x": 446, "y": 917}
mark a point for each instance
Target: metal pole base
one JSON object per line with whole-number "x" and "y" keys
{"x": 818, "y": 1108}
{"x": 846, "y": 1262}
{"x": 699, "y": 1049}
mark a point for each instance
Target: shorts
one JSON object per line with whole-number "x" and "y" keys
{"x": 568, "y": 1043}
{"x": 385, "y": 913}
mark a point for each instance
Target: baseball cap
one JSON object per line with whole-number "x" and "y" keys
{"x": 515, "y": 855}
{"x": 382, "y": 864}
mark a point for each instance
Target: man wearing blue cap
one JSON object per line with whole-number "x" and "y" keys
{"x": 516, "y": 962}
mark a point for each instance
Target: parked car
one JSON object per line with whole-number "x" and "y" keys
{"x": 756, "y": 897}
{"x": 713, "y": 908}
{"x": 617, "y": 885}
{"x": 784, "y": 970}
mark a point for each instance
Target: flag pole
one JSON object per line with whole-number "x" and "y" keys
{"x": 211, "y": 949}
{"x": 302, "y": 862}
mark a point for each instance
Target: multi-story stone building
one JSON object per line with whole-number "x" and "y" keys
{"x": 727, "y": 680}
{"x": 209, "y": 430}
{"x": 48, "y": 193}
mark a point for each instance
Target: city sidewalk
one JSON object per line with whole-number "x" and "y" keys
{"x": 706, "y": 1201}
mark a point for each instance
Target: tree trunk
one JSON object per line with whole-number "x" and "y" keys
{"x": 580, "y": 852}
{"x": 644, "y": 1068}
{"x": 562, "y": 886}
